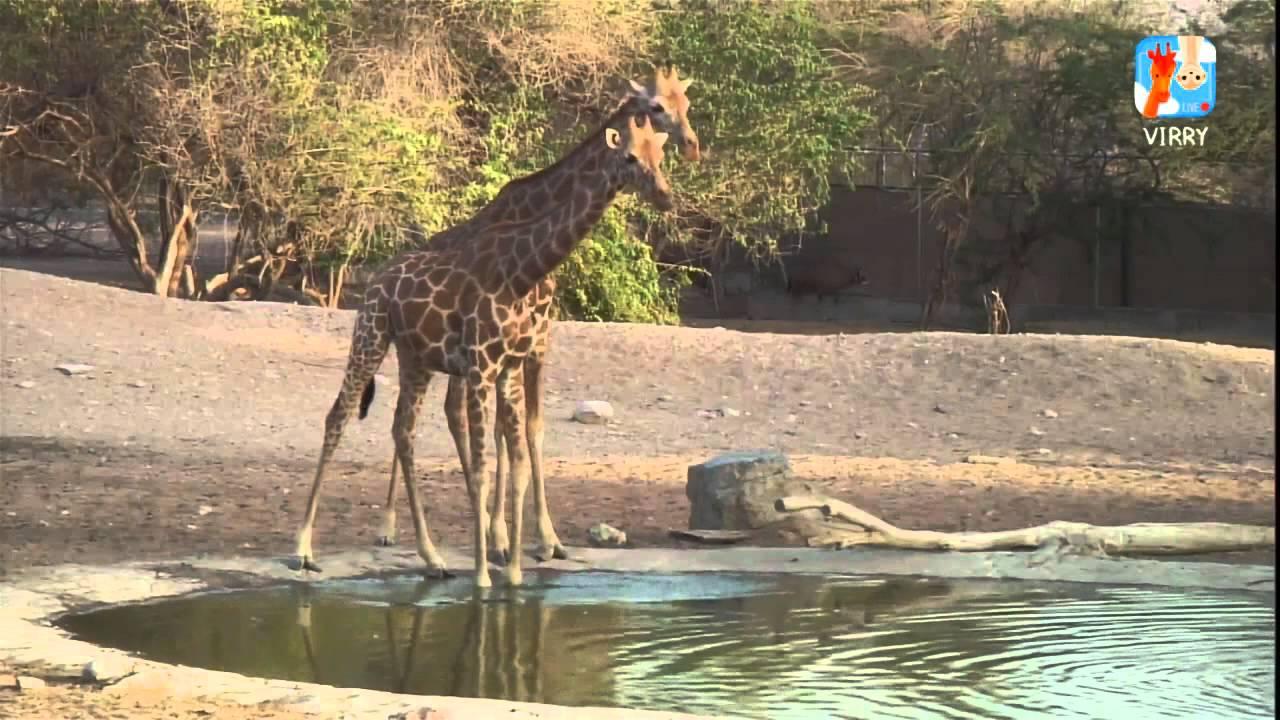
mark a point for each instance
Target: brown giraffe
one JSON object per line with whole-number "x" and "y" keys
{"x": 665, "y": 103}
{"x": 465, "y": 311}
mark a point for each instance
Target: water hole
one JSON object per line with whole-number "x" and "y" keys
{"x": 748, "y": 645}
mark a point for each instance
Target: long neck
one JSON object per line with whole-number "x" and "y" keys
{"x": 526, "y": 198}
{"x": 577, "y": 206}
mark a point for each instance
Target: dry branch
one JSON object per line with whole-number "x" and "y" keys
{"x": 847, "y": 526}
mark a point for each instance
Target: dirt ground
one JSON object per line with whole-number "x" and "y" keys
{"x": 198, "y": 429}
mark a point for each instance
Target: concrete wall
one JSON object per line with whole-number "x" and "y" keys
{"x": 1187, "y": 271}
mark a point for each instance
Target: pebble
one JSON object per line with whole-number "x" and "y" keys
{"x": 1036, "y": 431}
{"x": 593, "y": 412}
{"x": 73, "y": 368}
{"x": 137, "y": 384}
{"x": 1049, "y": 413}
{"x": 204, "y": 510}
{"x": 859, "y": 435}
{"x": 26, "y": 384}
{"x": 27, "y": 683}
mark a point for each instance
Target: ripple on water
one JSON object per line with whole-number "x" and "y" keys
{"x": 778, "y": 647}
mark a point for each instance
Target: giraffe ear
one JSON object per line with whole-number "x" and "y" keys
{"x": 612, "y": 138}
{"x": 1151, "y": 54}
{"x": 661, "y": 138}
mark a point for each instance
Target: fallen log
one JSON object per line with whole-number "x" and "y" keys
{"x": 848, "y": 526}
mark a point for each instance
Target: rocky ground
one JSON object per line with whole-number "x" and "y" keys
{"x": 197, "y": 428}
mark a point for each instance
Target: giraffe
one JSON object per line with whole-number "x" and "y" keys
{"x": 664, "y": 101}
{"x": 465, "y": 311}
{"x": 1162, "y": 67}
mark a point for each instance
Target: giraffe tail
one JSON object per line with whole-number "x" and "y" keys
{"x": 366, "y": 399}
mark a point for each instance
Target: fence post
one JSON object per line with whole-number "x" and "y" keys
{"x": 1097, "y": 256}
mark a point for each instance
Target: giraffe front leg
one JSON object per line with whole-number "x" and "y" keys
{"x": 511, "y": 418}
{"x": 413, "y": 386}
{"x": 455, "y": 411}
{"x": 334, "y": 423}
{"x": 480, "y": 425}
{"x": 549, "y": 545}
{"x": 387, "y": 535}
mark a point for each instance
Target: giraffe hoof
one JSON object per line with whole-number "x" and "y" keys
{"x": 440, "y": 574}
{"x": 556, "y": 552}
{"x": 499, "y": 557}
{"x": 385, "y": 541}
{"x": 306, "y": 564}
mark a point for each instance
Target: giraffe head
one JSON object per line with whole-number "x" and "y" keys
{"x": 667, "y": 106}
{"x": 636, "y": 152}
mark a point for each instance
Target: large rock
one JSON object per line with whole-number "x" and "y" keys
{"x": 736, "y": 491}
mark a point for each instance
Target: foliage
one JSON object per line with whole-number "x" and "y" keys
{"x": 778, "y": 123}
{"x": 613, "y": 277}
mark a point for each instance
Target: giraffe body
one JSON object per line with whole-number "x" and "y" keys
{"x": 664, "y": 102}
{"x": 466, "y": 311}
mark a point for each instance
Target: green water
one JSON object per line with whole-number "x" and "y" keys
{"x": 757, "y": 646}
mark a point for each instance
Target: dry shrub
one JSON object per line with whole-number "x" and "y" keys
{"x": 576, "y": 47}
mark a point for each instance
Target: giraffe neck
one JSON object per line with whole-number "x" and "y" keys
{"x": 526, "y": 198}
{"x": 576, "y": 203}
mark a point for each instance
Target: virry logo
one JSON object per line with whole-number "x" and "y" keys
{"x": 1175, "y": 76}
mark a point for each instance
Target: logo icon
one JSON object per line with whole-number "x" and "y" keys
{"x": 1175, "y": 76}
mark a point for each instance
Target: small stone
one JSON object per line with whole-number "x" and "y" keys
{"x": 806, "y": 403}
{"x": 912, "y": 425}
{"x": 73, "y": 369}
{"x": 939, "y": 409}
{"x": 859, "y": 435}
{"x": 26, "y": 683}
{"x": 729, "y": 412}
{"x": 952, "y": 436}
{"x": 26, "y": 384}
{"x": 65, "y": 513}
{"x": 604, "y": 535}
{"x": 1049, "y": 413}
{"x": 1043, "y": 451}
{"x": 665, "y": 398}
{"x": 792, "y": 418}
{"x": 1036, "y": 431}
{"x": 193, "y": 527}
{"x": 137, "y": 384}
{"x": 204, "y": 510}
{"x": 593, "y": 412}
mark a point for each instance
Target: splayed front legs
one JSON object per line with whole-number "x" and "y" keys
{"x": 352, "y": 385}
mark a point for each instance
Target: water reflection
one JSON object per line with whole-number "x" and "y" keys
{"x": 752, "y": 646}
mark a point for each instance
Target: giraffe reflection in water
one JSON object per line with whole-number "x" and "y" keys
{"x": 511, "y": 648}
